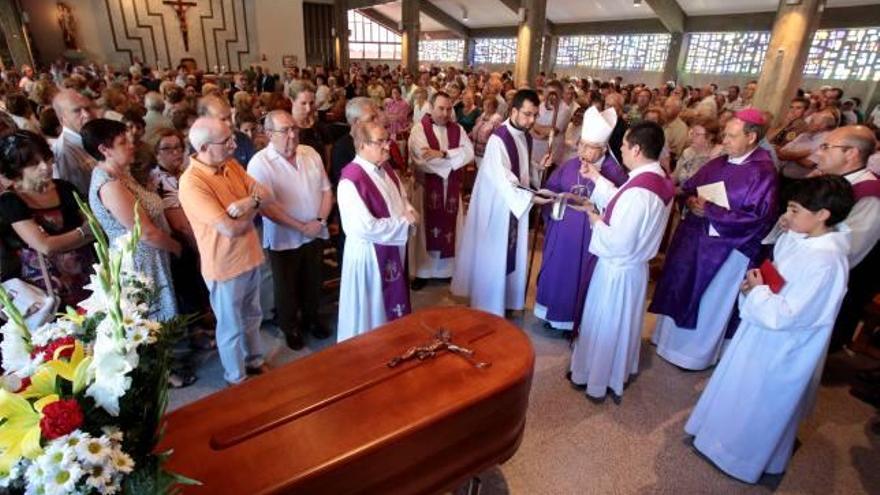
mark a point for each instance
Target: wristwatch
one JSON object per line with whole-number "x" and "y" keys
{"x": 321, "y": 221}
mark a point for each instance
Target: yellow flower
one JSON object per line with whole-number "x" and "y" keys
{"x": 20, "y": 432}
{"x": 74, "y": 370}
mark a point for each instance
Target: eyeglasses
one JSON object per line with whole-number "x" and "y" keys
{"x": 226, "y": 142}
{"x": 826, "y": 146}
{"x": 284, "y": 130}
{"x": 380, "y": 142}
{"x": 171, "y": 148}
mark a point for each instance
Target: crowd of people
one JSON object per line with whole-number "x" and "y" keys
{"x": 247, "y": 185}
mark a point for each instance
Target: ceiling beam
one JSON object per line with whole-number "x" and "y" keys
{"x": 381, "y": 19}
{"x": 515, "y": 5}
{"x": 449, "y": 22}
{"x": 631, "y": 26}
{"x": 360, "y": 4}
{"x": 670, "y": 13}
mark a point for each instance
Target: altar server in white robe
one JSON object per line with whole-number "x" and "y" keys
{"x": 625, "y": 238}
{"x": 439, "y": 148}
{"x": 490, "y": 267}
{"x": 747, "y": 418}
{"x": 376, "y": 217}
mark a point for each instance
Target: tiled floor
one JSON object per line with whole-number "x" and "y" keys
{"x": 573, "y": 446}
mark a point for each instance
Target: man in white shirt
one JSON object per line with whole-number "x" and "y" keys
{"x": 26, "y": 83}
{"x": 72, "y": 162}
{"x": 295, "y": 176}
{"x": 799, "y": 156}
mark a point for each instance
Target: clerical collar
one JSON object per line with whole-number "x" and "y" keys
{"x": 741, "y": 159}
{"x": 856, "y": 174}
{"x": 368, "y": 165}
{"x": 513, "y": 127}
{"x": 648, "y": 167}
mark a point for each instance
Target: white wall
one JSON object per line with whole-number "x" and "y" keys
{"x": 280, "y": 31}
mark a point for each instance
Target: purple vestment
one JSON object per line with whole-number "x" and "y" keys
{"x": 694, "y": 257}
{"x": 441, "y": 212}
{"x": 657, "y": 184}
{"x": 395, "y": 279}
{"x": 513, "y": 154}
{"x": 564, "y": 263}
{"x": 867, "y": 189}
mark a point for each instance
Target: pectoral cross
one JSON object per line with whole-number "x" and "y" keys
{"x": 180, "y": 7}
{"x": 398, "y": 310}
{"x": 436, "y": 232}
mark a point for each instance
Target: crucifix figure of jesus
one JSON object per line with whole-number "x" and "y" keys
{"x": 180, "y": 6}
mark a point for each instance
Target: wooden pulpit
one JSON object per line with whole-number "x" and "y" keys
{"x": 341, "y": 421}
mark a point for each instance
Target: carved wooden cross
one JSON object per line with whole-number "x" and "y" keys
{"x": 180, "y": 7}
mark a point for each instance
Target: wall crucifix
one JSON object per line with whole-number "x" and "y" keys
{"x": 180, "y": 6}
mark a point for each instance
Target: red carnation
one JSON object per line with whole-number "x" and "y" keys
{"x": 81, "y": 311}
{"x": 25, "y": 383}
{"x": 60, "y": 418}
{"x": 48, "y": 350}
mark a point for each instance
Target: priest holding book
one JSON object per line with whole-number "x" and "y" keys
{"x": 714, "y": 245}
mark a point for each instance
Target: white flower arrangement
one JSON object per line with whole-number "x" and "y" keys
{"x": 74, "y": 463}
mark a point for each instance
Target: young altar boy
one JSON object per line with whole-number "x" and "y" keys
{"x": 746, "y": 420}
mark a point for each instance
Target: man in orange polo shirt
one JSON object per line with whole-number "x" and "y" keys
{"x": 221, "y": 200}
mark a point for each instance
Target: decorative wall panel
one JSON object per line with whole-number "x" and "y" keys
{"x": 217, "y": 34}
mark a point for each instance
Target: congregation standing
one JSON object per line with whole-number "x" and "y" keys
{"x": 241, "y": 182}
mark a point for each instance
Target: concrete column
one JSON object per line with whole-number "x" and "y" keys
{"x": 10, "y": 22}
{"x": 340, "y": 37}
{"x": 468, "y": 52}
{"x": 783, "y": 68}
{"x": 409, "y": 39}
{"x": 528, "y": 48}
{"x": 671, "y": 69}
{"x": 548, "y": 56}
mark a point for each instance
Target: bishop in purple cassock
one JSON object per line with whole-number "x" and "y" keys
{"x": 714, "y": 246}
{"x": 564, "y": 261}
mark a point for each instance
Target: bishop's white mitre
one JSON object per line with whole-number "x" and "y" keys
{"x": 597, "y": 127}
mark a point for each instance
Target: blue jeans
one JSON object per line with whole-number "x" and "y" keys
{"x": 236, "y": 305}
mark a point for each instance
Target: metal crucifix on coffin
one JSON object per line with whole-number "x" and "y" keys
{"x": 180, "y": 7}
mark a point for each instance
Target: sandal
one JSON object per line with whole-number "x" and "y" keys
{"x": 181, "y": 380}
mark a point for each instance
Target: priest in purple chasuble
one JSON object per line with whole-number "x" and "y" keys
{"x": 563, "y": 264}
{"x": 376, "y": 217}
{"x": 714, "y": 245}
{"x": 439, "y": 149}
{"x": 490, "y": 262}
{"x": 624, "y": 238}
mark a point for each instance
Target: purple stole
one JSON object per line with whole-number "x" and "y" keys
{"x": 659, "y": 185}
{"x": 395, "y": 286}
{"x": 867, "y": 189}
{"x": 441, "y": 212}
{"x": 513, "y": 153}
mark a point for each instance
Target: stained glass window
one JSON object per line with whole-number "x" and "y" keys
{"x": 370, "y": 40}
{"x": 845, "y": 54}
{"x": 639, "y": 52}
{"x": 441, "y": 51}
{"x": 495, "y": 50}
{"x": 726, "y": 53}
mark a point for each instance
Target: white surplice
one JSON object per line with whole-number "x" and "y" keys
{"x": 747, "y": 417}
{"x": 606, "y": 352}
{"x": 481, "y": 258}
{"x": 863, "y": 221}
{"x": 422, "y": 263}
{"x": 361, "y": 307}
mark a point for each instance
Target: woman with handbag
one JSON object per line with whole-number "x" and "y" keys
{"x": 41, "y": 222}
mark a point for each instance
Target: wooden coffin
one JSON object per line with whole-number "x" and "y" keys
{"x": 341, "y": 421}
